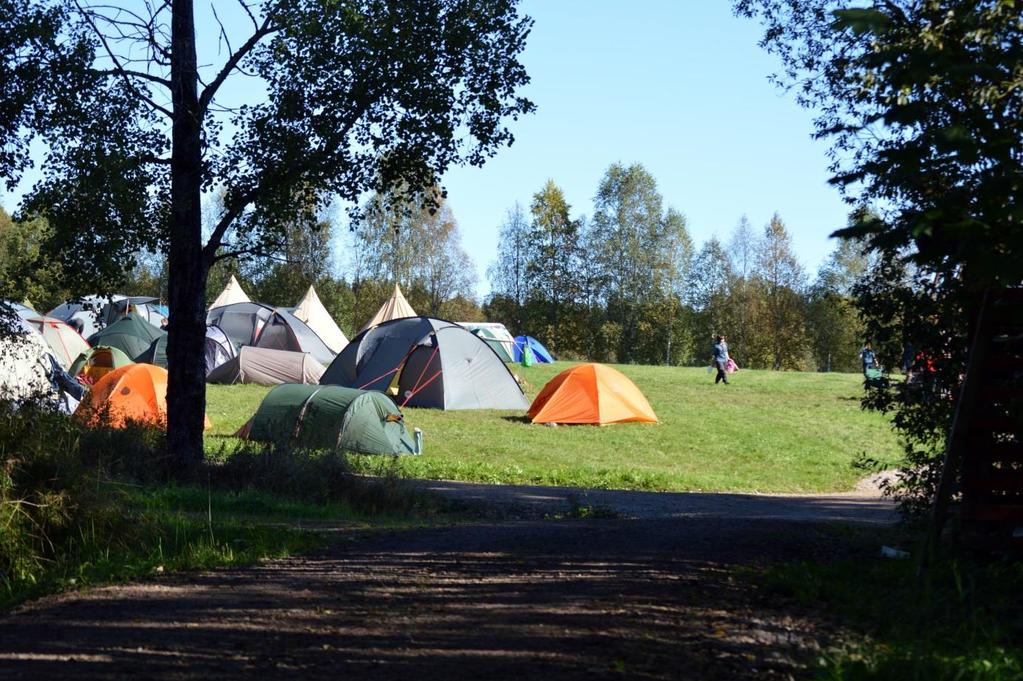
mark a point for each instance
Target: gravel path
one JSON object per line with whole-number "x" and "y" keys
{"x": 650, "y": 596}
{"x": 863, "y": 506}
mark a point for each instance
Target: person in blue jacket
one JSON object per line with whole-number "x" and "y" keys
{"x": 868, "y": 357}
{"x": 720, "y": 360}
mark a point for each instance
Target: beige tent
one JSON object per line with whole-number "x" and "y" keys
{"x": 263, "y": 366}
{"x": 311, "y": 311}
{"x": 395, "y": 308}
{"x": 232, "y": 293}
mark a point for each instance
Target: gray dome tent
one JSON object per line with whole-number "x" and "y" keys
{"x": 85, "y": 315}
{"x": 218, "y": 348}
{"x": 436, "y": 364}
{"x": 262, "y": 326}
{"x": 144, "y": 306}
{"x": 330, "y": 417}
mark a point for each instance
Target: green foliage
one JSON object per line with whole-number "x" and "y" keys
{"x": 782, "y": 279}
{"x": 25, "y": 272}
{"x": 633, "y": 252}
{"x": 920, "y": 101}
{"x": 507, "y": 273}
{"x": 833, "y": 320}
{"x": 551, "y": 267}
{"x": 960, "y": 622}
{"x": 608, "y": 289}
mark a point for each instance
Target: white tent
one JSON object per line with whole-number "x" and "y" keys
{"x": 396, "y": 307}
{"x": 27, "y": 368}
{"x": 232, "y": 293}
{"x": 499, "y": 331}
{"x": 311, "y": 311}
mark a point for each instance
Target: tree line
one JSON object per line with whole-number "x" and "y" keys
{"x": 628, "y": 285}
{"x": 408, "y": 241}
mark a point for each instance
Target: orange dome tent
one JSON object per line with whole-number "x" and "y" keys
{"x": 136, "y": 393}
{"x": 591, "y": 393}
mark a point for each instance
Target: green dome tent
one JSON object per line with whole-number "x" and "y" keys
{"x": 330, "y": 417}
{"x": 135, "y": 337}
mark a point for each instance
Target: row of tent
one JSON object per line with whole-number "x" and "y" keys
{"x": 312, "y": 312}
{"x": 334, "y": 417}
{"x": 438, "y": 364}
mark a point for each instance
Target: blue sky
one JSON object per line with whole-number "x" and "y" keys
{"x": 679, "y": 86}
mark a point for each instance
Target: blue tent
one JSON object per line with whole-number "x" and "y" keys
{"x": 540, "y": 353}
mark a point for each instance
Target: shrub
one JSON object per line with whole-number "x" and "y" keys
{"x": 66, "y": 493}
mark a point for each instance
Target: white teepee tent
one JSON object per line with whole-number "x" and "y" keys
{"x": 232, "y": 293}
{"x": 395, "y": 308}
{"x": 311, "y": 311}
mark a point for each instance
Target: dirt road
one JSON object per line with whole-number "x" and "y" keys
{"x": 863, "y": 506}
{"x": 653, "y": 597}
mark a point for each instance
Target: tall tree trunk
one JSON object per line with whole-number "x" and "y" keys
{"x": 186, "y": 393}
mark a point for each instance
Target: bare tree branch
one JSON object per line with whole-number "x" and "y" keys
{"x": 210, "y": 91}
{"x": 119, "y": 68}
{"x": 248, "y": 10}
{"x": 223, "y": 31}
{"x": 133, "y": 74}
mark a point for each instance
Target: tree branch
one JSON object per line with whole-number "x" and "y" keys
{"x": 210, "y": 91}
{"x": 133, "y": 74}
{"x": 119, "y": 68}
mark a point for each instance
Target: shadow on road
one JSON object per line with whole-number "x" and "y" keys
{"x": 647, "y": 599}
{"x": 544, "y": 500}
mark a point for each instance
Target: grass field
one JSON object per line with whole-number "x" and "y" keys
{"x": 767, "y": 432}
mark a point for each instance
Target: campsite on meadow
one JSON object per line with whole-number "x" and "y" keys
{"x": 511, "y": 339}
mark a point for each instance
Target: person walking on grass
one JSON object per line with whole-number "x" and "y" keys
{"x": 868, "y": 357}
{"x": 720, "y": 360}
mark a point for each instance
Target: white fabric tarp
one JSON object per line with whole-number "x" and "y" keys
{"x": 499, "y": 330}
{"x": 311, "y": 311}
{"x": 24, "y": 364}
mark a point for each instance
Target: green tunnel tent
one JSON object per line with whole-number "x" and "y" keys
{"x": 330, "y": 417}
{"x": 136, "y": 338}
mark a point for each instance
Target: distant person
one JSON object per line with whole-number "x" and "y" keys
{"x": 164, "y": 323}
{"x": 868, "y": 357}
{"x": 720, "y": 360}
{"x": 908, "y": 355}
